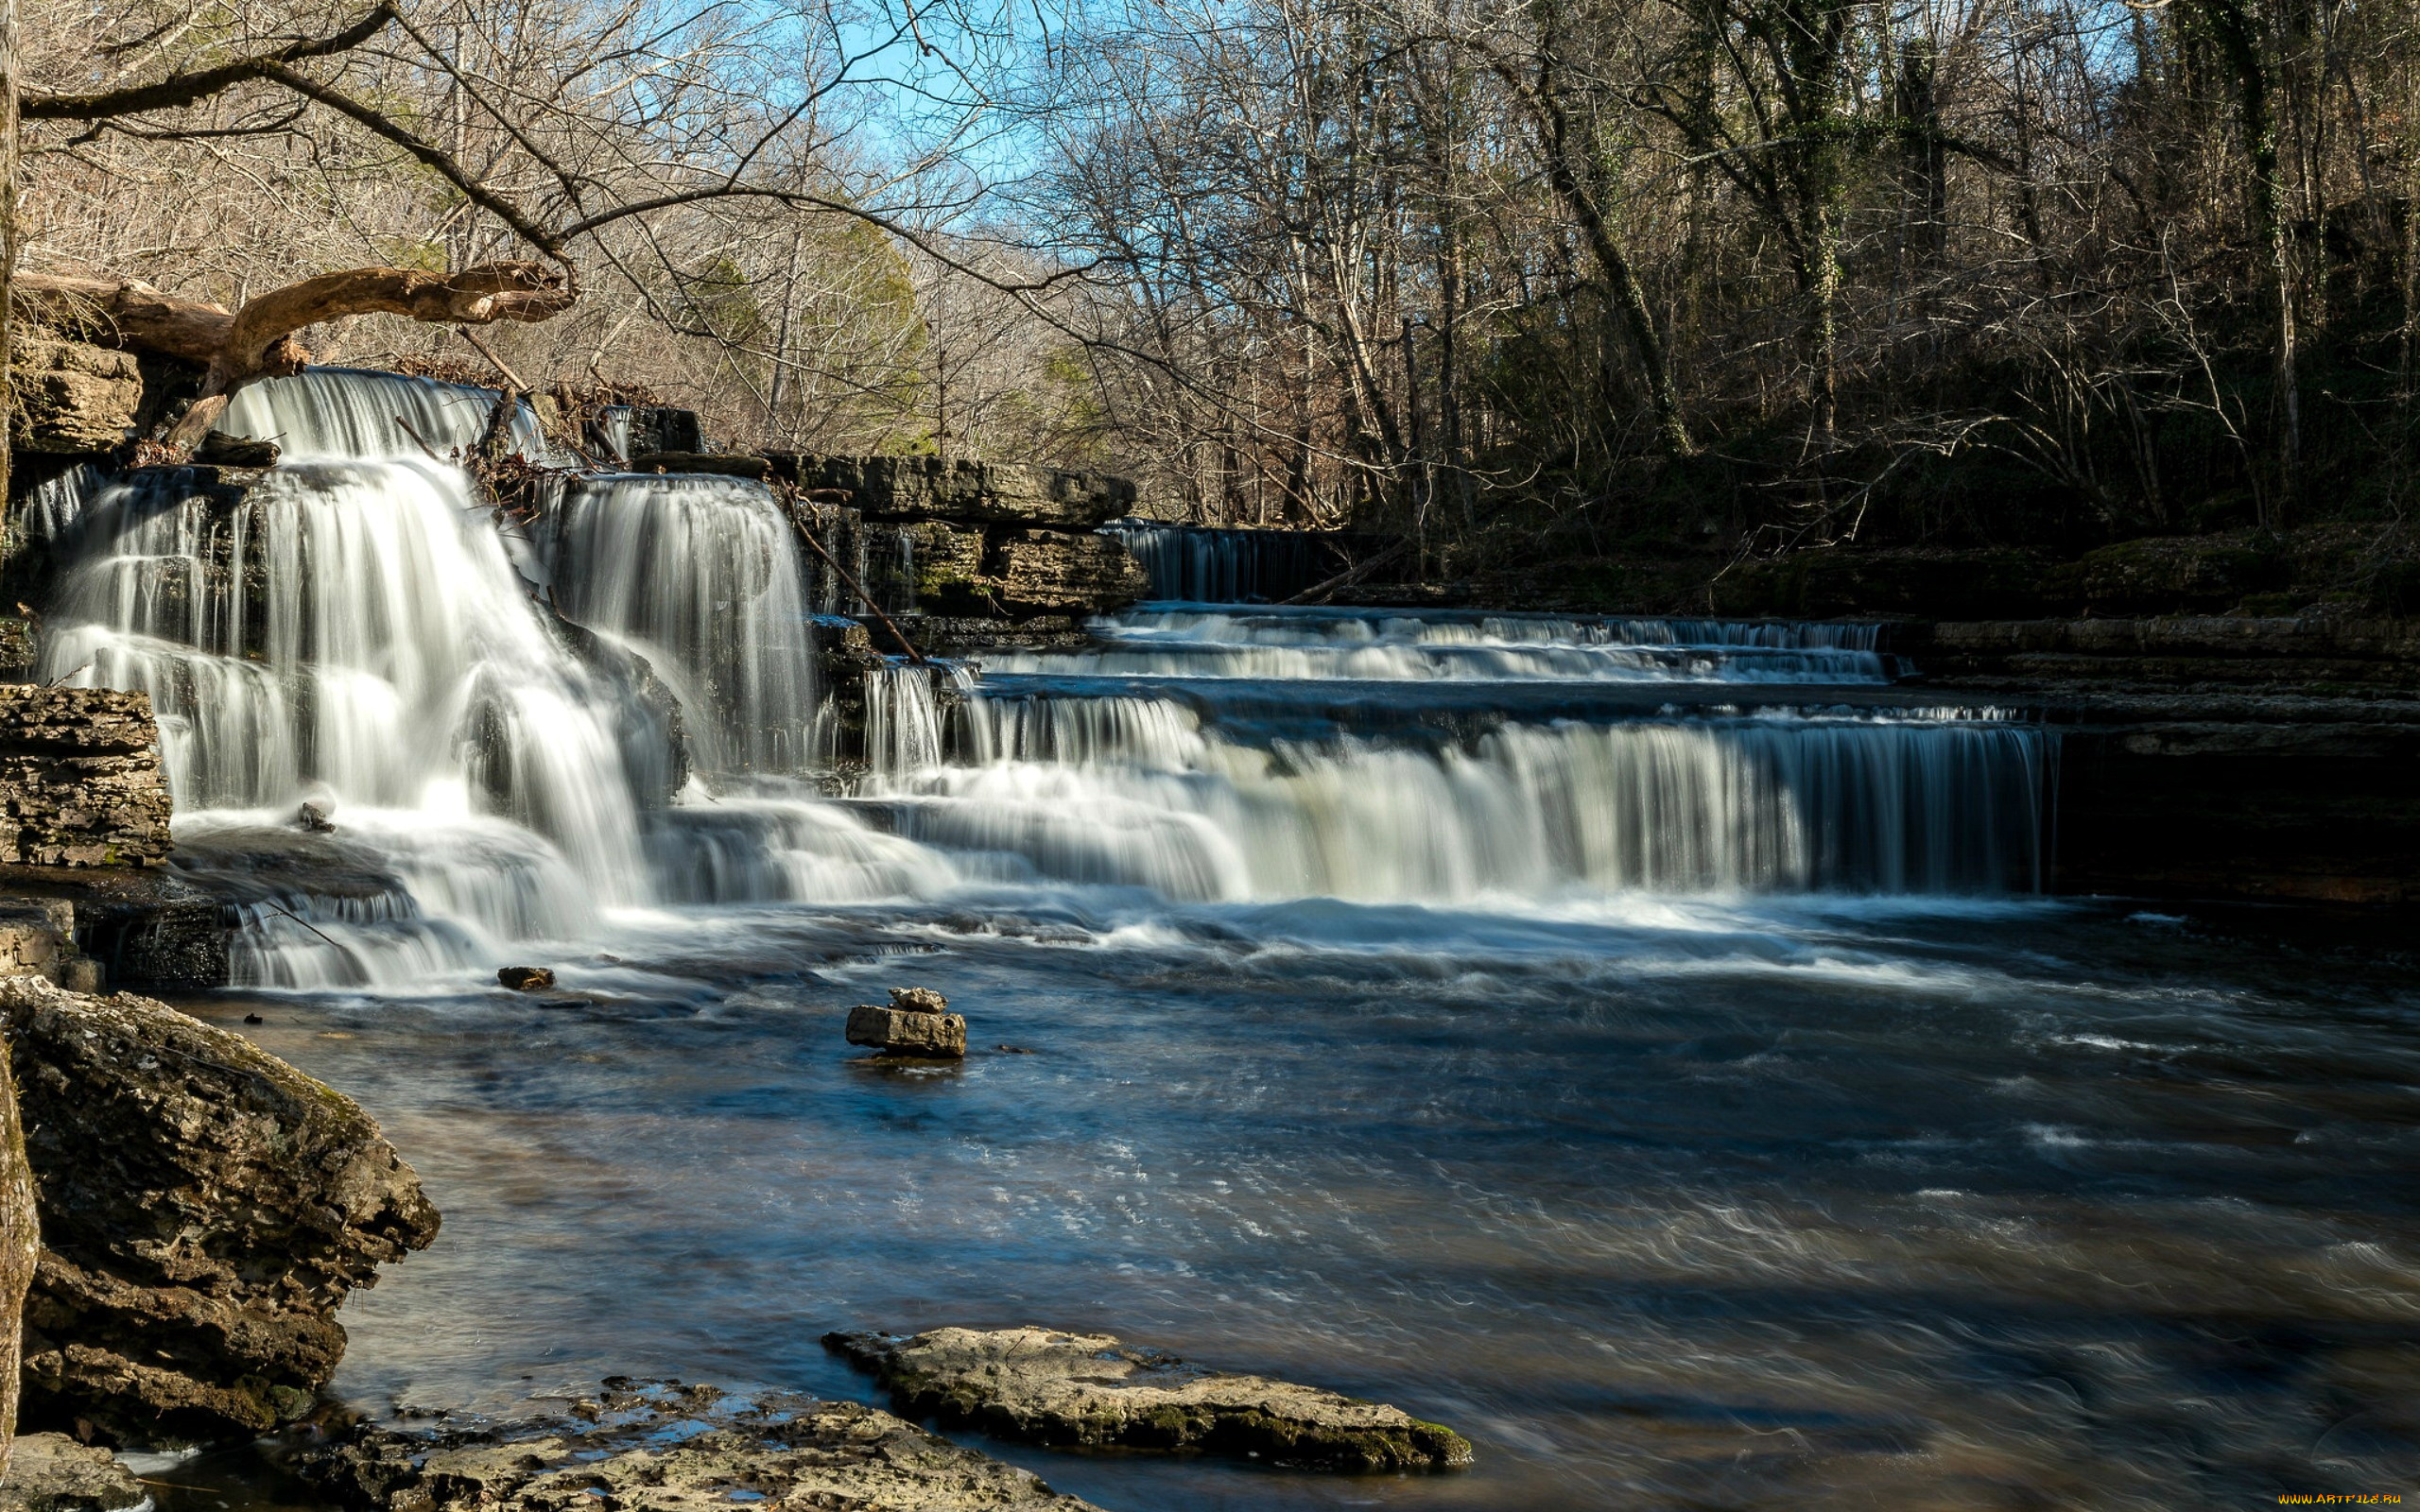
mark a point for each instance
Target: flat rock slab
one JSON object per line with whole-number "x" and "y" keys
{"x": 1088, "y": 1390}
{"x": 51, "y": 1472}
{"x": 664, "y": 1447}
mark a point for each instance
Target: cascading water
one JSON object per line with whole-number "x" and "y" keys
{"x": 702, "y": 576}
{"x": 346, "y": 413}
{"x": 1206, "y": 564}
{"x": 354, "y": 628}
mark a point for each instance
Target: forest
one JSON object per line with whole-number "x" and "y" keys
{"x": 1546, "y": 282}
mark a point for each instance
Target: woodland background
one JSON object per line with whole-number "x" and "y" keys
{"x": 1528, "y": 280}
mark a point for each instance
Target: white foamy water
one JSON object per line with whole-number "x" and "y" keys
{"x": 484, "y": 709}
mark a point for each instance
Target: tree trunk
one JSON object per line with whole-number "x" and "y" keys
{"x": 20, "y": 1244}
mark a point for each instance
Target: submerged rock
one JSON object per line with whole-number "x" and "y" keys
{"x": 525, "y": 978}
{"x": 51, "y": 1472}
{"x": 917, "y": 1022}
{"x": 1089, "y": 1390}
{"x": 651, "y": 1446}
{"x": 204, "y": 1209}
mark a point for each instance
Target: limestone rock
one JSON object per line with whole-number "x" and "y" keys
{"x": 647, "y": 1447}
{"x": 525, "y": 978}
{"x": 948, "y": 567}
{"x": 981, "y": 493}
{"x": 79, "y": 777}
{"x": 721, "y": 464}
{"x": 51, "y": 1472}
{"x": 909, "y": 1032}
{"x": 918, "y": 999}
{"x": 1045, "y": 572}
{"x": 204, "y": 1207}
{"x": 74, "y": 397}
{"x": 1089, "y": 1390}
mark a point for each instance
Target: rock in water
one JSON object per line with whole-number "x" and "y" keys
{"x": 204, "y": 1209}
{"x": 314, "y": 817}
{"x": 527, "y": 978}
{"x": 51, "y": 1472}
{"x": 1089, "y": 1390}
{"x": 647, "y": 1447}
{"x": 916, "y": 1023}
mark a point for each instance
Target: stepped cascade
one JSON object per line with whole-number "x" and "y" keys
{"x": 523, "y": 727}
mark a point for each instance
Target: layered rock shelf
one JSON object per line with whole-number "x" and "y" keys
{"x": 79, "y": 777}
{"x": 1090, "y": 1390}
{"x": 666, "y": 1447}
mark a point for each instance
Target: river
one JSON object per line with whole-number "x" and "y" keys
{"x": 1640, "y": 1045}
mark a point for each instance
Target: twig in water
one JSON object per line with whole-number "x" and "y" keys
{"x": 416, "y": 440}
{"x": 843, "y": 573}
{"x": 304, "y": 922}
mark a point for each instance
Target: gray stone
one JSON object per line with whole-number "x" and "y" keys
{"x": 205, "y": 1208}
{"x": 1089, "y": 1390}
{"x": 723, "y": 464}
{"x": 79, "y": 777}
{"x": 663, "y": 1447}
{"x": 918, "y": 999}
{"x": 51, "y": 1472}
{"x": 1045, "y": 572}
{"x": 979, "y": 492}
{"x": 74, "y": 397}
{"x": 932, "y": 1036}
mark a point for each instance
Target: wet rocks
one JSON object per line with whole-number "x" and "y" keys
{"x": 204, "y": 1210}
{"x": 527, "y": 978}
{"x": 917, "y": 1024}
{"x": 1089, "y": 1390}
{"x": 79, "y": 779}
{"x": 663, "y": 1447}
{"x": 314, "y": 818}
{"x": 51, "y": 1472}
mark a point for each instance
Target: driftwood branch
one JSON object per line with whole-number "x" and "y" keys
{"x": 259, "y": 339}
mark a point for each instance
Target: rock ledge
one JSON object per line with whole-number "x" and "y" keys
{"x": 1089, "y": 1390}
{"x": 664, "y": 1447}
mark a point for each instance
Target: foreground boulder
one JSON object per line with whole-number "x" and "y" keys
{"x": 663, "y": 1447}
{"x": 1088, "y": 1390}
{"x": 917, "y": 1022}
{"x": 51, "y": 1472}
{"x": 204, "y": 1209}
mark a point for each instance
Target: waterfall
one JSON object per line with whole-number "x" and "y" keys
{"x": 348, "y": 414}
{"x": 1208, "y": 565}
{"x": 353, "y": 628}
{"x": 700, "y": 575}
{"x": 1327, "y": 645}
{"x": 488, "y": 710}
{"x": 1132, "y": 793}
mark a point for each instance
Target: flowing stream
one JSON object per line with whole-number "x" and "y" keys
{"x": 1641, "y": 1045}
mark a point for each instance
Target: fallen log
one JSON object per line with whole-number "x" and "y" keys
{"x": 258, "y": 339}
